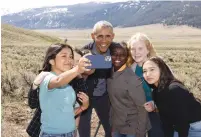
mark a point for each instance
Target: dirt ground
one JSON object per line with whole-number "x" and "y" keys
{"x": 16, "y": 116}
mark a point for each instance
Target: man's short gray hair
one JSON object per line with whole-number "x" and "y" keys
{"x": 102, "y": 24}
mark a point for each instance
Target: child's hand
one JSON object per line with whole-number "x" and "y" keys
{"x": 84, "y": 99}
{"x": 82, "y": 65}
{"x": 39, "y": 79}
{"x": 149, "y": 106}
{"x": 89, "y": 71}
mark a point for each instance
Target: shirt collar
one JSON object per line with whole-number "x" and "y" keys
{"x": 95, "y": 52}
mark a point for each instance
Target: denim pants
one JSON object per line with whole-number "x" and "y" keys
{"x": 70, "y": 134}
{"x": 117, "y": 134}
{"x": 194, "y": 130}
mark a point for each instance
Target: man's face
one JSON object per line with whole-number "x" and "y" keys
{"x": 103, "y": 38}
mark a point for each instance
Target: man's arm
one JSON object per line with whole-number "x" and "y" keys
{"x": 79, "y": 84}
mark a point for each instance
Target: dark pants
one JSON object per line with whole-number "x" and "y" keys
{"x": 101, "y": 106}
{"x": 156, "y": 130}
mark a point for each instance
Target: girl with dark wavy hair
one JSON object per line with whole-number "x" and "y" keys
{"x": 56, "y": 96}
{"x": 180, "y": 112}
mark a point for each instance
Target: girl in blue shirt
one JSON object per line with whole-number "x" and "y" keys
{"x": 57, "y": 98}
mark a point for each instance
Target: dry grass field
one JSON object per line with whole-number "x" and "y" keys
{"x": 23, "y": 51}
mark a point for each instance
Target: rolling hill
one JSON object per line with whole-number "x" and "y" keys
{"x": 12, "y": 35}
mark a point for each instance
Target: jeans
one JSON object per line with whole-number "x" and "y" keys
{"x": 70, "y": 134}
{"x": 117, "y": 134}
{"x": 194, "y": 130}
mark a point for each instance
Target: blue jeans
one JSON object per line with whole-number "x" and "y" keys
{"x": 70, "y": 134}
{"x": 117, "y": 134}
{"x": 194, "y": 130}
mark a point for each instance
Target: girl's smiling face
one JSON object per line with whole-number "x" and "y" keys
{"x": 63, "y": 61}
{"x": 151, "y": 72}
{"x": 139, "y": 52}
{"x": 119, "y": 57}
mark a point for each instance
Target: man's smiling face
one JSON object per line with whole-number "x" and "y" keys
{"x": 103, "y": 38}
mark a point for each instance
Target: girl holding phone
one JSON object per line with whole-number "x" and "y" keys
{"x": 57, "y": 98}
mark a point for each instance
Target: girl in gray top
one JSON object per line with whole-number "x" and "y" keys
{"x": 128, "y": 117}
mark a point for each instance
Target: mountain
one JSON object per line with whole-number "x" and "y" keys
{"x": 120, "y": 14}
{"x": 5, "y": 11}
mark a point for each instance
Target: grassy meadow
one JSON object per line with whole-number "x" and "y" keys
{"x": 23, "y": 52}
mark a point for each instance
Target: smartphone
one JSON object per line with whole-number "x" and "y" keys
{"x": 99, "y": 61}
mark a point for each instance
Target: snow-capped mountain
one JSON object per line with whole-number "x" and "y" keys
{"x": 6, "y": 11}
{"x": 124, "y": 14}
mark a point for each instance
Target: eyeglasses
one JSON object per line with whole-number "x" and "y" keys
{"x": 104, "y": 37}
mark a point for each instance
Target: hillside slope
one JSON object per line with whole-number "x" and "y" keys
{"x": 11, "y": 35}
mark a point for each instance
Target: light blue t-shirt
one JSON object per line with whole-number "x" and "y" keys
{"x": 57, "y": 106}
